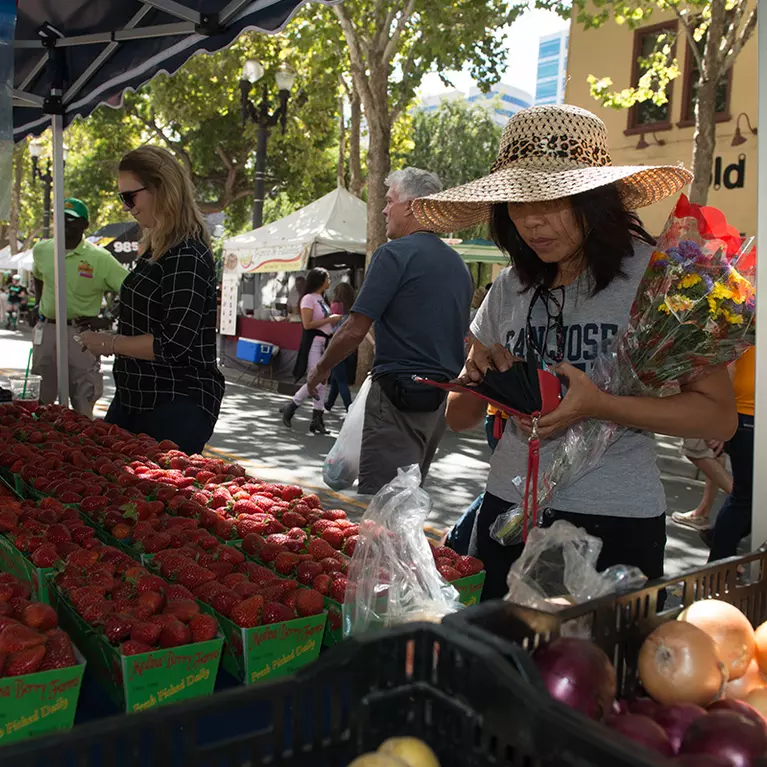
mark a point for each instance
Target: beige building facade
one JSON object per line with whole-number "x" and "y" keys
{"x": 651, "y": 135}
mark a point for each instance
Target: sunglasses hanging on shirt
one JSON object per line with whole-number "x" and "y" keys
{"x": 550, "y": 345}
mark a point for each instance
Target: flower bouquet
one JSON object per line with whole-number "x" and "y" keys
{"x": 694, "y": 311}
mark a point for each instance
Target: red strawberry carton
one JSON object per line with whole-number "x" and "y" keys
{"x": 146, "y": 680}
{"x": 270, "y": 651}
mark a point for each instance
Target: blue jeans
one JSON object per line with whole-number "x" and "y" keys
{"x": 733, "y": 523}
{"x": 339, "y": 384}
{"x": 181, "y": 420}
{"x": 460, "y": 535}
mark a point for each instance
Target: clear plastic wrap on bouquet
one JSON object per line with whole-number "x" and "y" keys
{"x": 694, "y": 311}
{"x": 392, "y": 575}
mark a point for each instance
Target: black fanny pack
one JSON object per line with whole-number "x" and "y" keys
{"x": 411, "y": 397}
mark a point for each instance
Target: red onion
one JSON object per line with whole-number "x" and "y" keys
{"x": 644, "y": 706}
{"x": 739, "y": 707}
{"x": 676, "y": 719}
{"x": 643, "y": 730}
{"x": 577, "y": 673}
{"x": 700, "y": 760}
{"x": 733, "y": 738}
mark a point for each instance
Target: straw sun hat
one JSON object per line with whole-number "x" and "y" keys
{"x": 548, "y": 152}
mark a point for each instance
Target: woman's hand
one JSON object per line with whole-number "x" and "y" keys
{"x": 97, "y": 343}
{"x": 484, "y": 358}
{"x": 583, "y": 400}
{"x": 334, "y": 319}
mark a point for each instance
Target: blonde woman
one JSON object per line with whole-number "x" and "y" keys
{"x": 168, "y": 384}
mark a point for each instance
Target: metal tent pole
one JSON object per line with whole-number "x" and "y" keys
{"x": 62, "y": 337}
{"x": 759, "y": 504}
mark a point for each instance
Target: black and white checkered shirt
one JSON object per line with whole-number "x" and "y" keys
{"x": 173, "y": 299}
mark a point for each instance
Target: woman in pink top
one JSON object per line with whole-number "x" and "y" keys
{"x": 318, "y": 327}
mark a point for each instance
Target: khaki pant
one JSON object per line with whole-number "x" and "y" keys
{"x": 393, "y": 439}
{"x": 86, "y": 384}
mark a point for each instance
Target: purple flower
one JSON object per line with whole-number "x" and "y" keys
{"x": 690, "y": 250}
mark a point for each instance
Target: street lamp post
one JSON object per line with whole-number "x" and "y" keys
{"x": 252, "y": 72}
{"x": 46, "y": 178}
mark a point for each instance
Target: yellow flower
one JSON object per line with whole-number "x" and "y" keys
{"x": 663, "y": 308}
{"x": 733, "y": 319}
{"x": 690, "y": 281}
{"x": 680, "y": 303}
{"x": 720, "y": 290}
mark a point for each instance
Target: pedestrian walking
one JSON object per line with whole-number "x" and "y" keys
{"x": 346, "y": 371}
{"x": 563, "y": 213}
{"x": 168, "y": 383}
{"x": 733, "y": 523}
{"x": 89, "y": 272}
{"x": 319, "y": 324}
{"x": 417, "y": 291}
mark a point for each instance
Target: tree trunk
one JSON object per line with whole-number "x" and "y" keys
{"x": 355, "y": 129}
{"x": 341, "y": 172}
{"x": 704, "y": 139}
{"x": 18, "y": 178}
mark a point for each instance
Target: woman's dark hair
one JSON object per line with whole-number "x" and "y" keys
{"x": 609, "y": 232}
{"x": 315, "y": 280}
{"x": 344, "y": 294}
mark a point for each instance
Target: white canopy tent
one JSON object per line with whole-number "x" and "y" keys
{"x": 335, "y": 223}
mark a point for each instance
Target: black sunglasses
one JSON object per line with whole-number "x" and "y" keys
{"x": 554, "y": 303}
{"x": 127, "y": 198}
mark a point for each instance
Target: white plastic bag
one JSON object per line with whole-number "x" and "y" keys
{"x": 342, "y": 464}
{"x": 392, "y": 577}
{"x": 558, "y": 566}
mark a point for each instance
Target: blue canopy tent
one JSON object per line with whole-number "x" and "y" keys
{"x": 71, "y": 56}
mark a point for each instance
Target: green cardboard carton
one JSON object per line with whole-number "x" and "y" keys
{"x": 39, "y": 703}
{"x": 271, "y": 651}
{"x": 14, "y": 562}
{"x": 141, "y": 682}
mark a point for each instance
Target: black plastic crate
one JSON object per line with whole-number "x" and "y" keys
{"x": 459, "y": 695}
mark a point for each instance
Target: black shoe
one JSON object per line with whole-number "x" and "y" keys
{"x": 288, "y": 411}
{"x": 317, "y": 425}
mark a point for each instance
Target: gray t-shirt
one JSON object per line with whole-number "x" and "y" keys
{"x": 418, "y": 291}
{"x": 627, "y": 481}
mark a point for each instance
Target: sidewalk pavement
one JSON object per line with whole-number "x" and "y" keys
{"x": 250, "y": 431}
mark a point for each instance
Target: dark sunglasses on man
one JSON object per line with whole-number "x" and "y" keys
{"x": 128, "y": 198}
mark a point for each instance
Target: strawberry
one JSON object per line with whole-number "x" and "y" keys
{"x": 192, "y": 576}
{"x": 269, "y": 551}
{"x": 221, "y": 569}
{"x": 246, "y": 589}
{"x": 39, "y": 616}
{"x": 338, "y": 588}
{"x": 334, "y": 536}
{"x": 149, "y": 603}
{"x": 82, "y": 558}
{"x": 313, "y": 502}
{"x": 15, "y": 637}
{"x": 246, "y": 614}
{"x": 331, "y": 565}
{"x": 135, "y": 648}
{"x": 275, "y": 612}
{"x": 293, "y": 519}
{"x": 8, "y": 521}
{"x": 323, "y": 584}
{"x": 290, "y": 492}
{"x": 118, "y": 628}
{"x": 333, "y": 513}
{"x": 175, "y": 591}
{"x": 350, "y": 544}
{"x": 443, "y": 551}
{"x": 208, "y": 590}
{"x": 321, "y": 525}
{"x": 175, "y": 634}
{"x": 231, "y": 580}
{"x": 469, "y": 565}
{"x": 320, "y": 549}
{"x": 448, "y": 573}
{"x": 45, "y": 556}
{"x": 145, "y": 632}
{"x": 25, "y": 661}
{"x": 148, "y": 582}
{"x": 290, "y": 600}
{"x": 246, "y": 507}
{"x": 225, "y": 601}
{"x": 309, "y": 602}
{"x": 306, "y": 572}
{"x": 285, "y": 563}
{"x": 183, "y": 609}
{"x": 59, "y": 652}
{"x": 203, "y": 628}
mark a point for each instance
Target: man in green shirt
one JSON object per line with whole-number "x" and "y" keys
{"x": 89, "y": 272}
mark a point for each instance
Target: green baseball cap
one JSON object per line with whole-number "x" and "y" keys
{"x": 75, "y": 208}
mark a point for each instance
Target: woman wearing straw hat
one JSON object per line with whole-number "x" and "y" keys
{"x": 563, "y": 213}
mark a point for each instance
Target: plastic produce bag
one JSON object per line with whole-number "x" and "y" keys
{"x": 7, "y": 26}
{"x": 558, "y": 568}
{"x": 392, "y": 576}
{"x": 342, "y": 464}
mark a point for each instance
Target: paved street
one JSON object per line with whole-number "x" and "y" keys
{"x": 250, "y": 431}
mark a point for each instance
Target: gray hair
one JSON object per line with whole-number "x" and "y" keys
{"x": 412, "y": 183}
